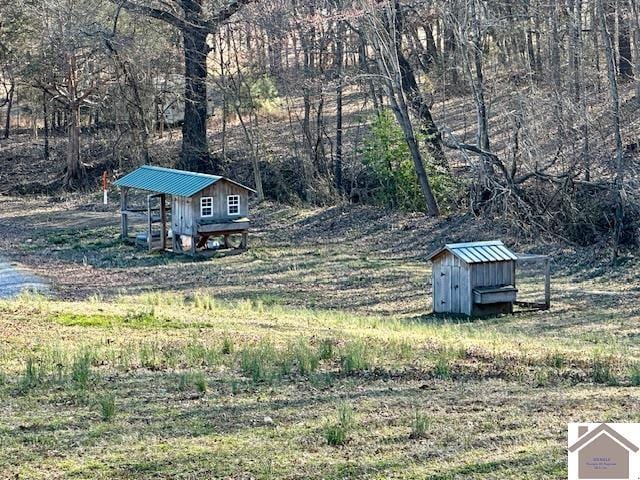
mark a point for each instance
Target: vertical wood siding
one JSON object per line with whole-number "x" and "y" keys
{"x": 182, "y": 215}
{"x": 219, "y": 191}
{"x": 492, "y": 274}
{"x": 451, "y": 286}
{"x": 185, "y": 212}
{"x": 454, "y": 280}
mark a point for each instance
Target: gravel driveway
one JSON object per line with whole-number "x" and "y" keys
{"x": 14, "y": 280}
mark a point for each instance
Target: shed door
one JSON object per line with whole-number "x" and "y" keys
{"x": 449, "y": 289}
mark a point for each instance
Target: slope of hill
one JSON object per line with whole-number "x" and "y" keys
{"x": 255, "y": 365}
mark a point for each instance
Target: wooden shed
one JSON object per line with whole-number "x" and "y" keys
{"x": 196, "y": 206}
{"x": 477, "y": 278}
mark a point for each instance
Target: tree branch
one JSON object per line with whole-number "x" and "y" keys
{"x": 226, "y": 13}
{"x": 156, "y": 13}
{"x": 166, "y": 16}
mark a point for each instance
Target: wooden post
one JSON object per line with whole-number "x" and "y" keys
{"x": 124, "y": 223}
{"x": 513, "y": 273}
{"x": 176, "y": 241}
{"x": 192, "y": 251}
{"x": 149, "y": 224}
{"x": 547, "y": 284}
{"x": 245, "y": 240}
{"x": 163, "y": 219}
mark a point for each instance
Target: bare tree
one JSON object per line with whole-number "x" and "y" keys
{"x": 339, "y": 74}
{"x": 615, "y": 121}
{"x": 9, "y": 86}
{"x": 77, "y": 74}
{"x": 191, "y": 19}
{"x": 635, "y": 10}
{"x": 625, "y": 66}
{"x": 381, "y": 32}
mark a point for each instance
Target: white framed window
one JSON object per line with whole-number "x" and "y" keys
{"x": 206, "y": 207}
{"x": 233, "y": 205}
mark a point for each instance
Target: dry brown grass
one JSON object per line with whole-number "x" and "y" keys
{"x": 330, "y": 307}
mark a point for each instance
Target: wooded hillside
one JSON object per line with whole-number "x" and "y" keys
{"x": 524, "y": 110}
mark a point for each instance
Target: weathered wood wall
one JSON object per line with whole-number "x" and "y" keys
{"x": 182, "y": 219}
{"x": 451, "y": 285}
{"x": 454, "y": 281}
{"x": 493, "y": 274}
{"x": 219, "y": 191}
{"x": 185, "y": 212}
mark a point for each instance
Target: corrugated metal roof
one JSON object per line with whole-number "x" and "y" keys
{"x": 478, "y": 252}
{"x": 170, "y": 181}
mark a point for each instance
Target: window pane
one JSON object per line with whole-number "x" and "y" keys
{"x": 206, "y": 207}
{"x": 233, "y": 204}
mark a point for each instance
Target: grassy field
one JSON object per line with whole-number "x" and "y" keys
{"x": 310, "y": 356}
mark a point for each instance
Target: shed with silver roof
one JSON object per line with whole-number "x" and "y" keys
{"x": 476, "y": 278}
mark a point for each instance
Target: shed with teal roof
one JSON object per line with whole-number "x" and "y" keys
{"x": 187, "y": 208}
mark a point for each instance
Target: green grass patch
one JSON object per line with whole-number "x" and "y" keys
{"x": 192, "y": 381}
{"x": 337, "y": 432}
{"x": 602, "y": 371}
{"x": 32, "y": 376}
{"x": 139, "y": 320}
{"x": 355, "y": 357}
{"x": 634, "y": 374}
{"x": 419, "y": 425}
{"x": 107, "y": 404}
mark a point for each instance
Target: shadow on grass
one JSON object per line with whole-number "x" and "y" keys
{"x": 521, "y": 463}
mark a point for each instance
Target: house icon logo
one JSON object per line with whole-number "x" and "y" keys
{"x": 604, "y": 451}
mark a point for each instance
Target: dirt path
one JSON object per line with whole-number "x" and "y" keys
{"x": 14, "y": 280}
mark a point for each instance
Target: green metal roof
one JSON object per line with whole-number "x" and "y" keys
{"x": 478, "y": 252}
{"x": 170, "y": 181}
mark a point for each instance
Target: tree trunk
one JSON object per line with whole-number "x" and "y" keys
{"x": 554, "y": 42}
{"x": 477, "y": 80}
{"x": 255, "y": 164}
{"x": 635, "y": 9}
{"x": 432, "y": 50}
{"x": 386, "y": 41}
{"x": 195, "y": 147}
{"x": 625, "y": 66}
{"x": 74, "y": 170}
{"x": 596, "y": 44}
{"x": 250, "y": 135}
{"x": 417, "y": 102}
{"x": 575, "y": 20}
{"x": 538, "y": 28}
{"x": 337, "y": 167}
{"x": 7, "y": 120}
{"x": 449, "y": 57}
{"x": 531, "y": 52}
{"x": 139, "y": 128}
{"x": 364, "y": 66}
{"x": 45, "y": 117}
{"x": 578, "y": 84}
{"x": 421, "y": 109}
{"x": 615, "y": 110}
{"x": 306, "y": 132}
{"x": 225, "y": 96}
{"x": 319, "y": 152}
{"x": 402, "y": 115}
